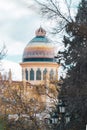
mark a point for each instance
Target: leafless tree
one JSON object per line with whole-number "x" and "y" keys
{"x": 54, "y": 10}
{"x": 62, "y": 13}
{"x": 3, "y": 52}
{"x": 22, "y": 109}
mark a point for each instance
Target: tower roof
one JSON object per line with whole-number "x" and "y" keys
{"x": 40, "y": 48}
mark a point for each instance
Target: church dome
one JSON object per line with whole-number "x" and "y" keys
{"x": 39, "y": 49}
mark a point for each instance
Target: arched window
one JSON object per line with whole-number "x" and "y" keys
{"x": 44, "y": 74}
{"x": 38, "y": 74}
{"x": 51, "y": 74}
{"x": 26, "y": 74}
{"x": 31, "y": 74}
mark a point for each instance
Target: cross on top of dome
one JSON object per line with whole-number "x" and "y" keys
{"x": 40, "y": 32}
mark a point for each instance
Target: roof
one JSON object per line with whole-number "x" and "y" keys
{"x": 40, "y": 39}
{"x": 39, "y": 49}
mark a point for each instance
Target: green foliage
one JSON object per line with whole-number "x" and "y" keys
{"x": 74, "y": 86}
{"x": 3, "y": 123}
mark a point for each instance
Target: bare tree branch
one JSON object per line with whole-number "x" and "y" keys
{"x": 52, "y": 10}
{"x": 3, "y": 52}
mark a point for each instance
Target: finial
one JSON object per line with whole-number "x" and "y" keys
{"x": 10, "y": 75}
{"x": 40, "y": 32}
{"x": 0, "y": 76}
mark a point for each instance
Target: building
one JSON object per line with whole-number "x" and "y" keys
{"x": 38, "y": 69}
{"x": 38, "y": 59}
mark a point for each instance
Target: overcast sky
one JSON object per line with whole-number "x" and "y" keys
{"x": 18, "y": 21}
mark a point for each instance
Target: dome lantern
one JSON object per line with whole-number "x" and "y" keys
{"x": 40, "y": 32}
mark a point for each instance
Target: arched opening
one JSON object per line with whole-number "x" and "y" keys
{"x": 38, "y": 74}
{"x": 26, "y": 74}
{"x": 44, "y": 74}
{"x": 31, "y": 74}
{"x": 51, "y": 74}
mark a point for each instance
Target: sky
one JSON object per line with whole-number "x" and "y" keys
{"x": 18, "y": 21}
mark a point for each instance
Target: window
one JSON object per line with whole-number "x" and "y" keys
{"x": 51, "y": 74}
{"x": 38, "y": 74}
{"x": 44, "y": 74}
{"x": 31, "y": 74}
{"x": 26, "y": 74}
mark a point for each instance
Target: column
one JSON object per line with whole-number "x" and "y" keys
{"x": 42, "y": 74}
{"x": 35, "y": 74}
{"x": 28, "y": 74}
{"x": 23, "y": 74}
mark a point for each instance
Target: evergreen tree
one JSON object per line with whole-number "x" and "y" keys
{"x": 74, "y": 57}
{"x": 74, "y": 87}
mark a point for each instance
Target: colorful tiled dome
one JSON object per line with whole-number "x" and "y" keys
{"x": 39, "y": 49}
